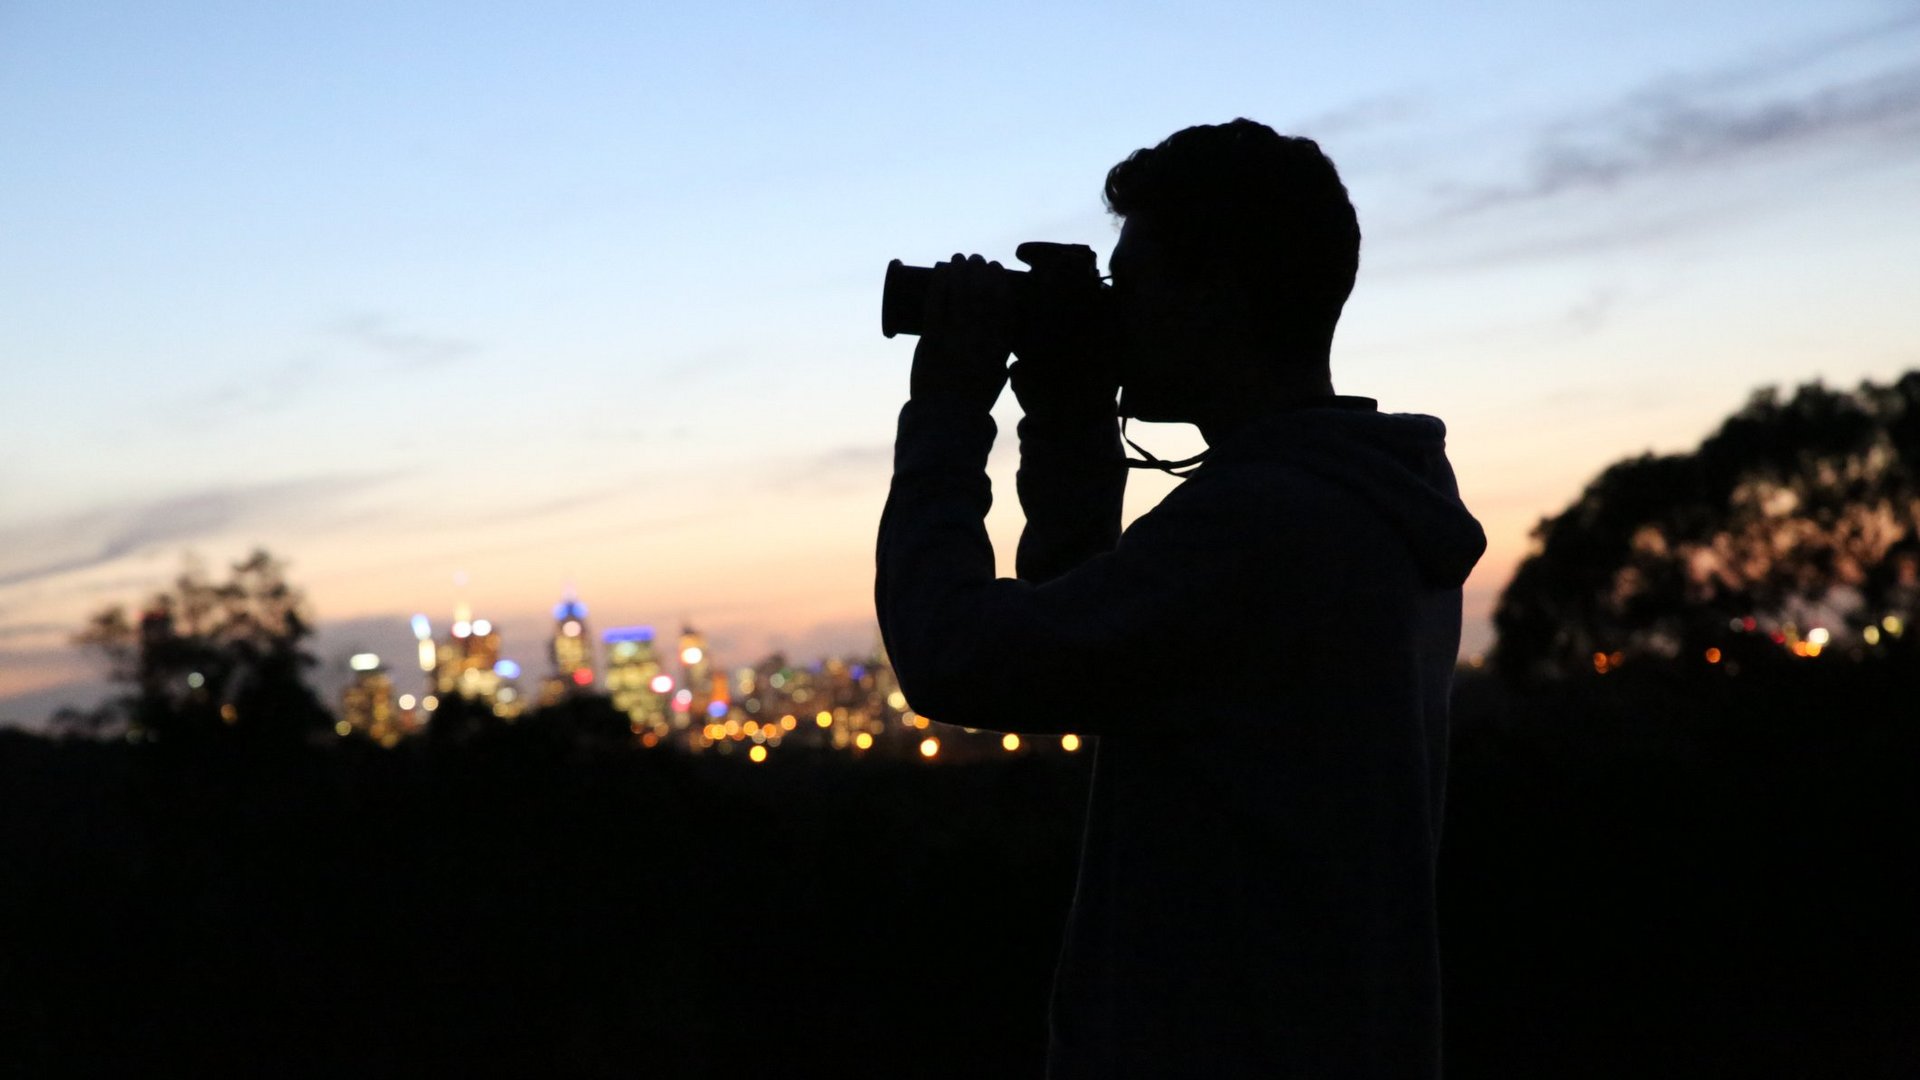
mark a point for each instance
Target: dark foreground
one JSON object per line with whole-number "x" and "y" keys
{"x": 1639, "y": 879}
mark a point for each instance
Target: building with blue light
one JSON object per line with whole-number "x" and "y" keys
{"x": 635, "y": 680}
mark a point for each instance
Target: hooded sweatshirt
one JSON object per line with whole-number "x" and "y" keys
{"x": 1264, "y": 661}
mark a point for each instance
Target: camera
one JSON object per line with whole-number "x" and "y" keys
{"x": 1061, "y": 299}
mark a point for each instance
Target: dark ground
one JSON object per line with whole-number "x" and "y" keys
{"x": 1640, "y": 879}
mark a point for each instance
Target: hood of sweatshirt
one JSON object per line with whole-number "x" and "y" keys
{"x": 1395, "y": 462}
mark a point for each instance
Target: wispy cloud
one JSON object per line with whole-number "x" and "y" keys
{"x": 33, "y": 630}
{"x": 1359, "y": 115}
{"x": 839, "y": 468}
{"x": 380, "y": 333}
{"x": 95, "y": 538}
{"x": 1591, "y": 312}
{"x": 1711, "y": 119}
{"x": 274, "y": 387}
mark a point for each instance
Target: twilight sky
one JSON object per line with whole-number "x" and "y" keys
{"x": 444, "y": 303}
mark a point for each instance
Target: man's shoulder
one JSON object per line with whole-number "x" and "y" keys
{"x": 1266, "y": 504}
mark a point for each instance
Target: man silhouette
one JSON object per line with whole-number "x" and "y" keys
{"x": 1265, "y": 657}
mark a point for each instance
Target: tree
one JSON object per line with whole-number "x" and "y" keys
{"x": 1797, "y": 522}
{"x": 205, "y": 656}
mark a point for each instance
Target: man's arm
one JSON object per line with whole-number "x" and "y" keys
{"x": 1073, "y": 473}
{"x": 1078, "y": 652}
{"x": 1083, "y": 652}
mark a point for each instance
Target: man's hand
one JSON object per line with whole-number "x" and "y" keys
{"x": 1065, "y": 367}
{"x": 1069, "y": 383}
{"x": 962, "y": 356}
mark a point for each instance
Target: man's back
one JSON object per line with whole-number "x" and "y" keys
{"x": 1256, "y": 887}
{"x": 1266, "y": 659}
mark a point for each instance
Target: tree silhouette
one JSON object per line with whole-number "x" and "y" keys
{"x": 1795, "y": 525}
{"x": 204, "y": 656}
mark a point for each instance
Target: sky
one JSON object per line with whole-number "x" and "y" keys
{"x": 447, "y": 303}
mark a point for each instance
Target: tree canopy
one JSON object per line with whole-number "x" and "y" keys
{"x": 205, "y": 655}
{"x": 1795, "y": 525}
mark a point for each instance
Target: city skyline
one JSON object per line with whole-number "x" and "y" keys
{"x": 594, "y": 302}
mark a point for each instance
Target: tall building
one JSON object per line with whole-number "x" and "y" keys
{"x": 366, "y": 705}
{"x": 571, "y": 651}
{"x": 696, "y": 679}
{"x": 466, "y": 659}
{"x": 635, "y": 680}
{"x": 572, "y": 648}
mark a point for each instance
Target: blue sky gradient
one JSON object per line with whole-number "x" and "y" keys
{"x": 588, "y": 294}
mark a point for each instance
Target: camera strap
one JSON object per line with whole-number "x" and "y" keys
{"x": 1171, "y": 468}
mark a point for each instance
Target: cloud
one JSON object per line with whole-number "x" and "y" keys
{"x": 1590, "y": 313}
{"x": 95, "y": 538}
{"x": 840, "y": 468}
{"x": 34, "y": 630}
{"x": 271, "y": 388}
{"x": 1358, "y": 115}
{"x": 378, "y": 333}
{"x": 1680, "y": 125}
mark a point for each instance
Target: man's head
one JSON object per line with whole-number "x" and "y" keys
{"x": 1238, "y": 250}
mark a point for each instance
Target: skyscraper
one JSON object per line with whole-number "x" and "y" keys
{"x": 466, "y": 659}
{"x": 366, "y": 705}
{"x": 696, "y": 678}
{"x": 571, "y": 651}
{"x": 635, "y": 680}
{"x": 572, "y": 647}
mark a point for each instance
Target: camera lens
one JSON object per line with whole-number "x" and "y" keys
{"x": 903, "y": 299}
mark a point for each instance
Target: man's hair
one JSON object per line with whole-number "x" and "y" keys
{"x": 1242, "y": 203}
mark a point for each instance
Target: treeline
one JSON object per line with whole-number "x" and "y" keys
{"x": 1639, "y": 878}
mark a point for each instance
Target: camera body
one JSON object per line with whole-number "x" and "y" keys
{"x": 1061, "y": 299}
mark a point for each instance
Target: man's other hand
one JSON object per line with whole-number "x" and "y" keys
{"x": 962, "y": 355}
{"x": 1065, "y": 367}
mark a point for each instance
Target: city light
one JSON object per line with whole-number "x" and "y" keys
{"x": 342, "y": 729}
{"x": 1892, "y": 625}
{"x": 1070, "y": 743}
{"x": 196, "y": 680}
{"x": 757, "y": 755}
{"x": 1713, "y": 656}
{"x": 850, "y": 702}
{"x": 1818, "y": 635}
{"x": 1871, "y": 635}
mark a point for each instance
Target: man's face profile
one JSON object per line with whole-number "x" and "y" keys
{"x": 1160, "y": 357}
